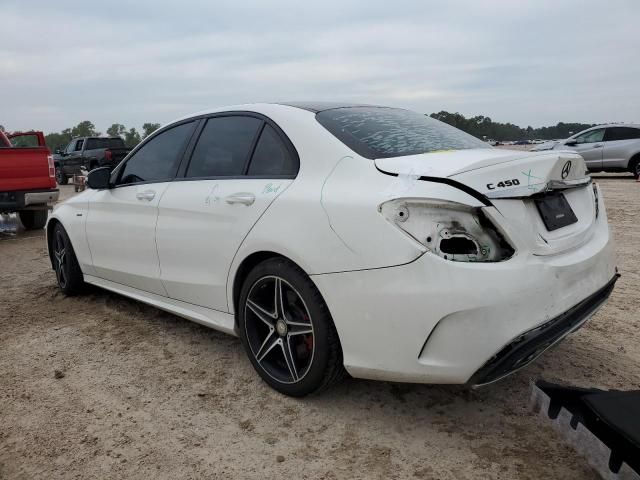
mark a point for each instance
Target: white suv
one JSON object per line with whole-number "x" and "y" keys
{"x": 608, "y": 148}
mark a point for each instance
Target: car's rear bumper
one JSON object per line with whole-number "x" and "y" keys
{"x": 18, "y": 200}
{"x": 527, "y": 346}
{"x": 437, "y": 321}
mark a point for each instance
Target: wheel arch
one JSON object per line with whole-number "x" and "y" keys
{"x": 243, "y": 270}
{"x": 246, "y": 265}
{"x": 51, "y": 225}
{"x": 635, "y": 158}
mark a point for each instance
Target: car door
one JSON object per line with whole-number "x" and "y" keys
{"x": 121, "y": 220}
{"x": 73, "y": 156}
{"x": 238, "y": 166}
{"x": 590, "y": 145}
{"x": 619, "y": 143}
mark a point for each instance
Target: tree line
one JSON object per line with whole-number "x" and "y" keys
{"x": 483, "y": 127}
{"x": 478, "y": 126}
{"x": 131, "y": 136}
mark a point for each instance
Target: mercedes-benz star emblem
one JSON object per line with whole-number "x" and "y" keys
{"x": 566, "y": 169}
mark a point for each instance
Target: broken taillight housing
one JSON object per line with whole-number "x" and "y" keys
{"x": 451, "y": 230}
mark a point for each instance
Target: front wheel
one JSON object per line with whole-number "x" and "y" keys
{"x": 635, "y": 168}
{"x": 33, "y": 219}
{"x": 287, "y": 330}
{"x": 65, "y": 264}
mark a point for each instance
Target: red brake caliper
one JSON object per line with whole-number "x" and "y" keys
{"x": 308, "y": 340}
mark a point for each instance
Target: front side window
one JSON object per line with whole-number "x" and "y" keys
{"x": 224, "y": 147}
{"x": 381, "y": 132}
{"x": 621, "y": 133}
{"x": 71, "y": 147}
{"x": 591, "y": 137}
{"x": 157, "y": 160}
{"x": 271, "y": 156}
{"x": 79, "y": 144}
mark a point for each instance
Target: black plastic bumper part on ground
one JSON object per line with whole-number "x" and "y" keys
{"x": 527, "y": 346}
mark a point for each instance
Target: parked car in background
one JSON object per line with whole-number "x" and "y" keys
{"x": 88, "y": 153}
{"x": 27, "y": 182}
{"x": 331, "y": 236}
{"x": 605, "y": 148}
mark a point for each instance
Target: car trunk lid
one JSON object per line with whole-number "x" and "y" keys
{"x": 534, "y": 191}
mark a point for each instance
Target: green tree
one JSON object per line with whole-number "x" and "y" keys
{"x": 85, "y": 129}
{"x": 116, "y": 130}
{"x": 132, "y": 137}
{"x": 481, "y": 126}
{"x": 149, "y": 128}
{"x": 58, "y": 141}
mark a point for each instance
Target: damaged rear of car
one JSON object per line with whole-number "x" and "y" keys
{"x": 512, "y": 250}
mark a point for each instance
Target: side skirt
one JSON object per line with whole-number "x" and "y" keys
{"x": 208, "y": 317}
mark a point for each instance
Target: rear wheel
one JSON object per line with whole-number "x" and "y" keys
{"x": 65, "y": 263}
{"x": 61, "y": 177}
{"x": 33, "y": 219}
{"x": 287, "y": 330}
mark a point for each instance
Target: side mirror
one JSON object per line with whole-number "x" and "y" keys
{"x": 99, "y": 178}
{"x": 571, "y": 143}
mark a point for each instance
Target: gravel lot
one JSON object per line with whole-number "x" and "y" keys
{"x": 104, "y": 387}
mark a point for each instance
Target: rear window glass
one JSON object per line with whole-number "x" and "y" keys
{"x": 96, "y": 143}
{"x": 24, "y": 141}
{"x": 379, "y": 132}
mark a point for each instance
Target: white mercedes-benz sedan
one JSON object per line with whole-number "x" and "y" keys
{"x": 337, "y": 238}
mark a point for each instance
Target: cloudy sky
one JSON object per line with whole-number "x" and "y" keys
{"x": 532, "y": 62}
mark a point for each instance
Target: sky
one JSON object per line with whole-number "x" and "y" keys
{"x": 529, "y": 62}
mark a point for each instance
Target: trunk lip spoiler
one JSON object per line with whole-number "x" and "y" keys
{"x": 448, "y": 181}
{"x": 530, "y": 190}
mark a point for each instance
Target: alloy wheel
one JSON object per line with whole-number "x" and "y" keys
{"x": 279, "y": 329}
{"x": 60, "y": 259}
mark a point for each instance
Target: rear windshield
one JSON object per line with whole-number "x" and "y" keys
{"x": 95, "y": 143}
{"x": 379, "y": 132}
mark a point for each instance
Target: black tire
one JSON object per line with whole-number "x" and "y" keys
{"x": 316, "y": 355}
{"x": 33, "y": 219}
{"x": 634, "y": 167}
{"x": 65, "y": 264}
{"x": 61, "y": 177}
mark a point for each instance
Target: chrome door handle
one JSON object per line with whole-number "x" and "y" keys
{"x": 146, "y": 195}
{"x": 598, "y": 146}
{"x": 243, "y": 198}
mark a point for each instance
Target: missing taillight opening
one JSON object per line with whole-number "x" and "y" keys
{"x": 458, "y": 245}
{"x": 453, "y": 231}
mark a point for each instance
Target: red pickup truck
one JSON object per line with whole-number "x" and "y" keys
{"x": 27, "y": 177}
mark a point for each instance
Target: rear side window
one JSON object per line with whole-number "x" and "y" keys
{"x": 379, "y": 132}
{"x": 621, "y": 133}
{"x": 97, "y": 143}
{"x": 158, "y": 159}
{"x": 224, "y": 147}
{"x": 271, "y": 156}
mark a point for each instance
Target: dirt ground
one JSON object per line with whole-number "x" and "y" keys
{"x": 104, "y": 387}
